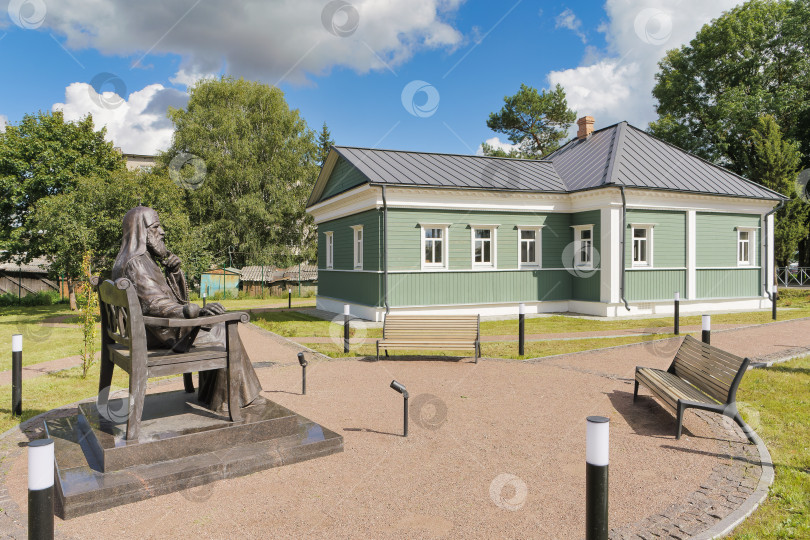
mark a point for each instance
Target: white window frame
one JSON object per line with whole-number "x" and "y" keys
{"x": 578, "y": 229}
{"x": 445, "y": 228}
{"x": 358, "y": 253}
{"x": 330, "y": 249}
{"x": 538, "y": 241}
{"x": 752, "y": 233}
{"x": 649, "y": 228}
{"x": 493, "y": 246}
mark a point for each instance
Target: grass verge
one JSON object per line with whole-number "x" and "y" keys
{"x": 780, "y": 395}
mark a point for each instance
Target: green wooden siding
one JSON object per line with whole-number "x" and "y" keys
{"x": 717, "y": 238}
{"x": 668, "y": 237}
{"x": 585, "y": 283}
{"x": 647, "y": 285}
{"x": 405, "y": 236}
{"x": 738, "y": 283}
{"x": 444, "y": 288}
{"x": 355, "y": 287}
{"x": 344, "y": 176}
{"x": 343, "y": 235}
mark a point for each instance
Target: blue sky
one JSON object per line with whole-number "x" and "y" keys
{"x": 345, "y": 63}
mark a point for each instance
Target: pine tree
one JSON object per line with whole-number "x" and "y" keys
{"x": 774, "y": 163}
{"x": 325, "y": 142}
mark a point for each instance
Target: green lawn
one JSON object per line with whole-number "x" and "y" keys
{"x": 40, "y": 343}
{"x": 781, "y": 396}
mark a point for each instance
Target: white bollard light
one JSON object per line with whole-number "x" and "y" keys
{"x": 40, "y": 488}
{"x": 597, "y": 458}
{"x": 707, "y": 329}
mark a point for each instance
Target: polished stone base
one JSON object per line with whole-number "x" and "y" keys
{"x": 181, "y": 446}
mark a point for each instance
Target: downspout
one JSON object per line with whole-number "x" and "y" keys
{"x": 385, "y": 252}
{"x": 624, "y": 225}
{"x": 767, "y": 262}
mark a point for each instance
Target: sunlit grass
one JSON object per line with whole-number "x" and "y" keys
{"x": 781, "y": 397}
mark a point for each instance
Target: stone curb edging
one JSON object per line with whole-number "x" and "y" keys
{"x": 735, "y": 518}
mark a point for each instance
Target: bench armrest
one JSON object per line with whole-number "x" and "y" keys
{"x": 240, "y": 316}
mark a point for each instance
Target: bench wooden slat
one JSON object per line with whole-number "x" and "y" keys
{"x": 433, "y": 332}
{"x": 700, "y": 376}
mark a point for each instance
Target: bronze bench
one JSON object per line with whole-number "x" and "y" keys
{"x": 431, "y": 332}
{"x": 700, "y": 377}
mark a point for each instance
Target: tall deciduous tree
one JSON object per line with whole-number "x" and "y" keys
{"x": 536, "y": 121}
{"x": 774, "y": 163}
{"x": 42, "y": 156}
{"x": 88, "y": 218}
{"x": 753, "y": 60}
{"x": 325, "y": 142}
{"x": 260, "y": 163}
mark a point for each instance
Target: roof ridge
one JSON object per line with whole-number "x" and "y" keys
{"x": 614, "y": 155}
{"x": 706, "y": 161}
{"x": 545, "y": 160}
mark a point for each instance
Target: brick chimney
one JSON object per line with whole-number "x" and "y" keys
{"x": 585, "y": 127}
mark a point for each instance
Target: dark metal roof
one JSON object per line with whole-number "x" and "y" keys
{"x": 627, "y": 156}
{"x": 395, "y": 167}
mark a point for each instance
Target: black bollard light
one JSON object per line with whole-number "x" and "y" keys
{"x": 303, "y": 362}
{"x": 203, "y": 298}
{"x": 774, "y": 298}
{"x": 345, "y": 328}
{"x": 707, "y": 329}
{"x": 40, "y": 489}
{"x": 597, "y": 457}
{"x": 289, "y": 298}
{"x": 522, "y": 329}
{"x": 401, "y": 389}
{"x": 16, "y": 374}
{"x": 677, "y": 323}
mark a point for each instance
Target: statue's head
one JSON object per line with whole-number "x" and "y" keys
{"x": 141, "y": 232}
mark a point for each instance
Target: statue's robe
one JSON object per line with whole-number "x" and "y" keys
{"x": 165, "y": 295}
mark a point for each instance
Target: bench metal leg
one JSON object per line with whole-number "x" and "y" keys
{"x": 749, "y": 433}
{"x": 188, "y": 383}
{"x": 681, "y": 409}
{"x": 635, "y": 392}
{"x": 378, "y": 351}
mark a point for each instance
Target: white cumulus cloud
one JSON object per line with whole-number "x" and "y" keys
{"x": 497, "y": 144}
{"x": 568, "y": 19}
{"x": 138, "y": 124}
{"x": 3, "y": 122}
{"x": 257, "y": 39}
{"x": 617, "y": 84}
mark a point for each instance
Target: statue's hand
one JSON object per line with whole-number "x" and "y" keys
{"x": 172, "y": 263}
{"x": 214, "y": 308}
{"x": 191, "y": 311}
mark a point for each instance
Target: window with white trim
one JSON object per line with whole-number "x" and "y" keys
{"x": 529, "y": 246}
{"x": 434, "y": 246}
{"x": 745, "y": 242}
{"x": 641, "y": 237}
{"x": 358, "y": 247}
{"x": 483, "y": 245}
{"x": 583, "y": 246}
{"x": 330, "y": 249}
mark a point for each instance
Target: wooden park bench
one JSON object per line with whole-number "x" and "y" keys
{"x": 700, "y": 377}
{"x": 123, "y": 344}
{"x": 431, "y": 332}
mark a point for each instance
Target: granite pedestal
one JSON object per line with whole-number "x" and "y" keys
{"x": 182, "y": 445}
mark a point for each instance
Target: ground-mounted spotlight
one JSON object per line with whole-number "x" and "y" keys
{"x": 303, "y": 362}
{"x": 399, "y": 387}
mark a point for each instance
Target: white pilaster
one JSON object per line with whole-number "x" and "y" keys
{"x": 768, "y": 261}
{"x": 610, "y": 255}
{"x": 691, "y": 254}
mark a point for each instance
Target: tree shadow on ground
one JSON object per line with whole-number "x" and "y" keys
{"x": 786, "y": 369}
{"x": 717, "y": 455}
{"x": 646, "y": 416}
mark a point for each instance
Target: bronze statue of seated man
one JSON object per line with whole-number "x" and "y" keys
{"x": 163, "y": 293}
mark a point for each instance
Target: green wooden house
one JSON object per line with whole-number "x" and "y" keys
{"x": 613, "y": 223}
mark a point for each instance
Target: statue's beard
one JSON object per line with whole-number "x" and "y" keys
{"x": 157, "y": 248}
